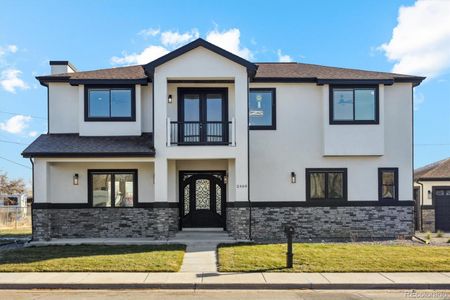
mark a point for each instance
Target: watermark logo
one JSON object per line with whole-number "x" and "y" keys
{"x": 413, "y": 294}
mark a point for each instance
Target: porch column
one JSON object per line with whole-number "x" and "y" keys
{"x": 41, "y": 181}
{"x": 161, "y": 180}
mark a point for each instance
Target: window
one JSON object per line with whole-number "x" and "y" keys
{"x": 388, "y": 184}
{"x": 326, "y": 184}
{"x": 262, "y": 109}
{"x": 354, "y": 105}
{"x": 109, "y": 188}
{"x": 110, "y": 104}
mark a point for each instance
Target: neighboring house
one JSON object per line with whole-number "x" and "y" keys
{"x": 203, "y": 138}
{"x": 432, "y": 195}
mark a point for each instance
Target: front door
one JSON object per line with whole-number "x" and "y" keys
{"x": 202, "y": 199}
{"x": 203, "y": 115}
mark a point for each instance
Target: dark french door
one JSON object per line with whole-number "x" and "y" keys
{"x": 202, "y": 199}
{"x": 203, "y": 116}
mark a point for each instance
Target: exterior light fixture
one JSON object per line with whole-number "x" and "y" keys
{"x": 429, "y": 194}
{"x": 169, "y": 100}
{"x": 225, "y": 179}
{"x": 293, "y": 177}
{"x": 75, "y": 179}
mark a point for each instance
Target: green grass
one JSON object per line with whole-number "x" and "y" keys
{"x": 334, "y": 258}
{"x": 90, "y": 258}
{"x": 18, "y": 233}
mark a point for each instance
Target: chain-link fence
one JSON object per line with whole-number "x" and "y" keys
{"x": 15, "y": 217}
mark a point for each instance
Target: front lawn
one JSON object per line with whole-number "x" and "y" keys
{"x": 350, "y": 257}
{"x": 15, "y": 233}
{"x": 93, "y": 258}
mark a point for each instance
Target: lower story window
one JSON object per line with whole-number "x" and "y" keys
{"x": 388, "y": 183}
{"x": 109, "y": 188}
{"x": 326, "y": 184}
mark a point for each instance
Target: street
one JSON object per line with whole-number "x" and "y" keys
{"x": 223, "y": 294}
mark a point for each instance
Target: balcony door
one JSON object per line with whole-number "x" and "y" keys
{"x": 203, "y": 116}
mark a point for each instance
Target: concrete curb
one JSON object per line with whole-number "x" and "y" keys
{"x": 229, "y": 286}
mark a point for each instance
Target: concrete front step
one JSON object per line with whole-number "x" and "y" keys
{"x": 203, "y": 236}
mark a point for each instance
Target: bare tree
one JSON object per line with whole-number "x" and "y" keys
{"x": 11, "y": 186}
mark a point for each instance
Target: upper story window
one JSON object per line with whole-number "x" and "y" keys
{"x": 326, "y": 184}
{"x": 110, "y": 103}
{"x": 388, "y": 183}
{"x": 262, "y": 109}
{"x": 354, "y": 105}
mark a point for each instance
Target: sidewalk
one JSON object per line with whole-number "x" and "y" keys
{"x": 225, "y": 280}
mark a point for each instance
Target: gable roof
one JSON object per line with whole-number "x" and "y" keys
{"x": 258, "y": 72}
{"x": 150, "y": 67}
{"x": 438, "y": 170}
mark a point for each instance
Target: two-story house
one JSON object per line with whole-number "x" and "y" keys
{"x": 203, "y": 138}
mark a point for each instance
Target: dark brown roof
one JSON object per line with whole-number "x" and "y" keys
{"x": 437, "y": 170}
{"x": 73, "y": 145}
{"x": 290, "y": 72}
{"x": 301, "y": 70}
{"x": 131, "y": 72}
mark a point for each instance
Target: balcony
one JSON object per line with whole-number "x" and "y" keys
{"x": 201, "y": 133}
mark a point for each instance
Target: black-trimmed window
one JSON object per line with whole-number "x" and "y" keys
{"x": 107, "y": 103}
{"x": 112, "y": 188}
{"x": 388, "y": 183}
{"x": 326, "y": 184}
{"x": 262, "y": 109}
{"x": 354, "y": 105}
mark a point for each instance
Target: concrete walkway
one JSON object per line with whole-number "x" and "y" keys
{"x": 188, "y": 280}
{"x": 201, "y": 255}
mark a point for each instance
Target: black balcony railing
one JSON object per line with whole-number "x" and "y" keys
{"x": 200, "y": 133}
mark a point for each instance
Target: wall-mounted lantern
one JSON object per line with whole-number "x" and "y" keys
{"x": 169, "y": 99}
{"x": 75, "y": 179}
{"x": 293, "y": 177}
{"x": 429, "y": 194}
{"x": 225, "y": 179}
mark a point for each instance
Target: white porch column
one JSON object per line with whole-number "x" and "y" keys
{"x": 41, "y": 181}
{"x": 160, "y": 137}
{"x": 161, "y": 180}
{"x": 241, "y": 119}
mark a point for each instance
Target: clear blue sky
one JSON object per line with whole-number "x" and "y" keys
{"x": 90, "y": 33}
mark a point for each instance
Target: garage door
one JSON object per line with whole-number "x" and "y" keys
{"x": 442, "y": 207}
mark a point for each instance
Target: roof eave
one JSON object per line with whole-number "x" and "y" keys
{"x": 87, "y": 154}
{"x": 45, "y": 80}
{"x": 415, "y": 80}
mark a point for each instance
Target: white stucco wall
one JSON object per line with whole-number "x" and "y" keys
{"x": 102, "y": 128}
{"x": 146, "y": 111}
{"x": 348, "y": 140}
{"x": 66, "y": 113}
{"x": 58, "y": 178}
{"x": 63, "y": 108}
{"x": 297, "y": 143}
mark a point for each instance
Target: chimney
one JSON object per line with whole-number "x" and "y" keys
{"x": 62, "y": 66}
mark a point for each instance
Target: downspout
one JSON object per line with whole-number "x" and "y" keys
{"x": 248, "y": 163}
{"x": 412, "y": 152}
{"x": 48, "y": 109}
{"x": 32, "y": 195}
{"x": 421, "y": 203}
